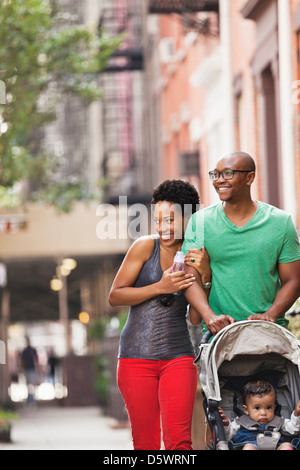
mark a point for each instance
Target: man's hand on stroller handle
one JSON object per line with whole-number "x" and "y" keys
{"x": 216, "y": 323}
{"x": 263, "y": 316}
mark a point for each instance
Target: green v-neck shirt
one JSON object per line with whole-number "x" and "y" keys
{"x": 244, "y": 260}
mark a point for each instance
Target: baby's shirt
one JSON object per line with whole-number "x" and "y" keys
{"x": 290, "y": 426}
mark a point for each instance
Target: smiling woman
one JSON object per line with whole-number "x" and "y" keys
{"x": 156, "y": 374}
{"x": 169, "y": 221}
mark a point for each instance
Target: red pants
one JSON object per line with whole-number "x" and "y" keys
{"x": 158, "y": 392}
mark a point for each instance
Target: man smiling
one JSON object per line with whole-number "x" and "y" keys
{"x": 254, "y": 252}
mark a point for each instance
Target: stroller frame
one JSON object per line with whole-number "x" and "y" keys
{"x": 241, "y": 352}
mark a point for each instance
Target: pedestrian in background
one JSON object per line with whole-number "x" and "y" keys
{"x": 29, "y": 363}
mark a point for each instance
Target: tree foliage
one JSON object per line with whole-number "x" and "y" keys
{"x": 294, "y": 325}
{"x": 294, "y": 319}
{"x": 39, "y": 49}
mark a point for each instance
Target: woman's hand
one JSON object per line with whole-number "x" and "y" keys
{"x": 174, "y": 282}
{"x": 200, "y": 261}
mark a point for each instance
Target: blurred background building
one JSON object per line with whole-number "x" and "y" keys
{"x": 191, "y": 81}
{"x": 228, "y": 82}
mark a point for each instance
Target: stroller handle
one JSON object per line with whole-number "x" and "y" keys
{"x": 206, "y": 337}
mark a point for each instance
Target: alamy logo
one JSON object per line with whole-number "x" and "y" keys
{"x": 123, "y": 222}
{"x": 2, "y": 353}
{"x": 2, "y": 92}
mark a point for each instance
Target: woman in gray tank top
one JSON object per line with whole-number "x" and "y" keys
{"x": 156, "y": 374}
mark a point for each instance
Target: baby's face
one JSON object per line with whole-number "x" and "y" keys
{"x": 261, "y": 408}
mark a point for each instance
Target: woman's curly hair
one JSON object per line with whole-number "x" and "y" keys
{"x": 177, "y": 192}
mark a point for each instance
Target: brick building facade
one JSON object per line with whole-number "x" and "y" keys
{"x": 234, "y": 85}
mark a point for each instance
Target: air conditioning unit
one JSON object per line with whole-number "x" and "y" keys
{"x": 167, "y": 50}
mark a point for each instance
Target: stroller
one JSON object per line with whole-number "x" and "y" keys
{"x": 244, "y": 351}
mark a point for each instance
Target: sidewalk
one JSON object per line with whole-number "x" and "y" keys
{"x": 58, "y": 428}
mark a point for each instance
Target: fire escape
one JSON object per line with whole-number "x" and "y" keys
{"x": 124, "y": 153}
{"x": 122, "y": 99}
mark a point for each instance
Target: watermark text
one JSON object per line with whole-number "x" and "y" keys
{"x": 123, "y": 222}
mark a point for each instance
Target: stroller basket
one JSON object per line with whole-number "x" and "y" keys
{"x": 241, "y": 352}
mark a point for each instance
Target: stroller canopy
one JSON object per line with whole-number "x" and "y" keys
{"x": 236, "y": 346}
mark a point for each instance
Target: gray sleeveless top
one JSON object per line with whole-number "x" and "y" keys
{"x": 154, "y": 331}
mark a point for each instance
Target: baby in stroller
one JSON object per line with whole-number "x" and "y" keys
{"x": 259, "y": 421}
{"x": 244, "y": 352}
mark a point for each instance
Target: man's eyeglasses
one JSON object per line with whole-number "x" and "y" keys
{"x": 226, "y": 174}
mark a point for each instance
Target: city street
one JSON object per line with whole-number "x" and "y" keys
{"x": 109, "y": 110}
{"x": 48, "y": 427}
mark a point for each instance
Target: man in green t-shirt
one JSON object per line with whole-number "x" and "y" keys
{"x": 253, "y": 248}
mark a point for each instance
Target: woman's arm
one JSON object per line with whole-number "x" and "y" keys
{"x": 123, "y": 293}
{"x": 200, "y": 309}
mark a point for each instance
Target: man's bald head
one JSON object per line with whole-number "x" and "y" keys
{"x": 242, "y": 159}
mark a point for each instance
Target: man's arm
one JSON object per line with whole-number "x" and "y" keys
{"x": 289, "y": 274}
{"x": 200, "y": 309}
